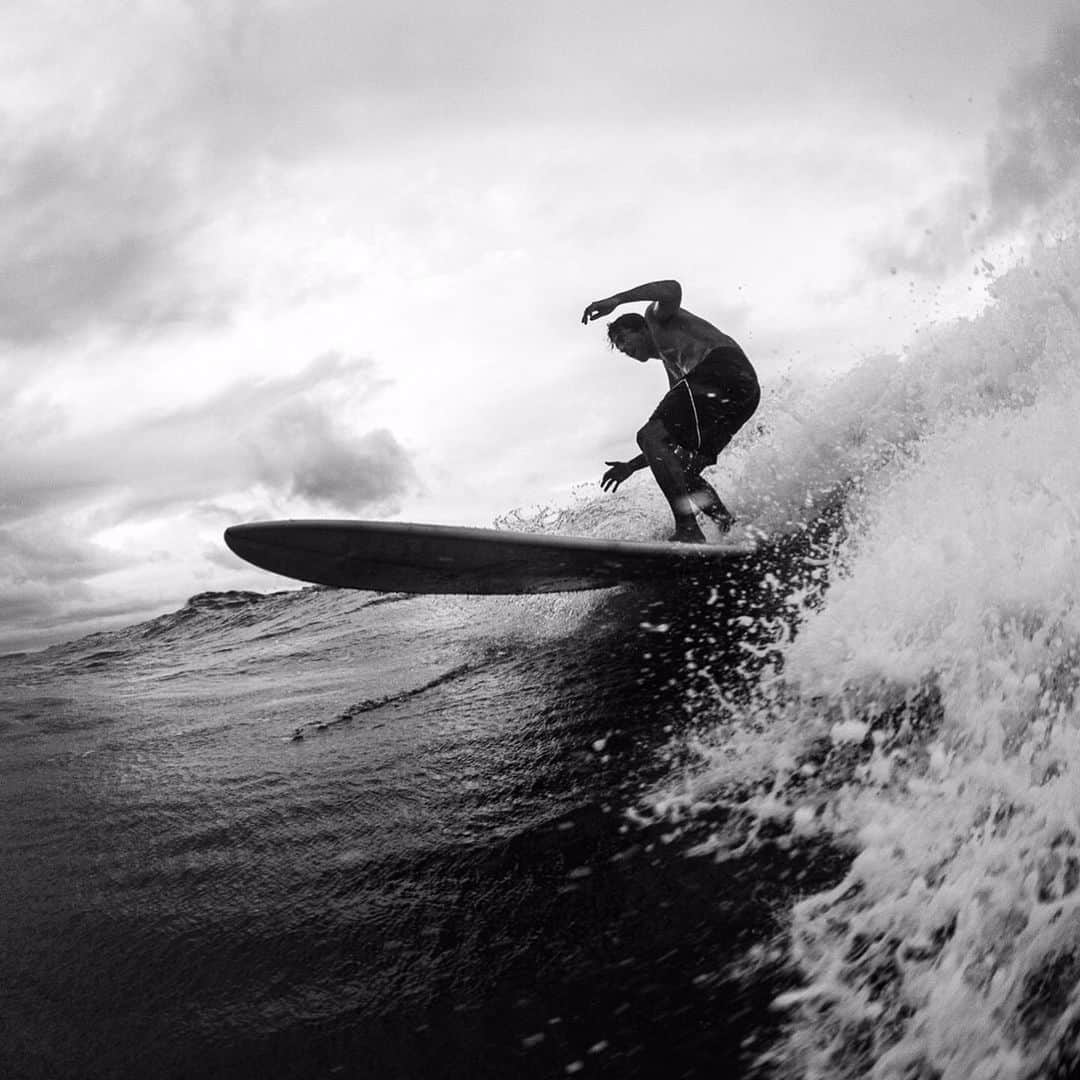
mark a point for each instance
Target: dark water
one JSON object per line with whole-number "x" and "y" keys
{"x": 316, "y": 834}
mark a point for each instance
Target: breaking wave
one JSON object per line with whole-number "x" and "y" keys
{"x": 925, "y": 715}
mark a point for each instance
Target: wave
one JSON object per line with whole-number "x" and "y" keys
{"x": 922, "y": 712}
{"x": 360, "y": 708}
{"x": 925, "y": 714}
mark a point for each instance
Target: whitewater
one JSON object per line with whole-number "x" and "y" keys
{"x": 826, "y": 825}
{"x": 925, "y": 717}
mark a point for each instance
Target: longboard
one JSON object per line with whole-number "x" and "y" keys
{"x": 397, "y": 557}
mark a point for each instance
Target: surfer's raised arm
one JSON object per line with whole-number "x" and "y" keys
{"x": 667, "y": 295}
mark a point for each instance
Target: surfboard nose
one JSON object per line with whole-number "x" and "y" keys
{"x": 251, "y": 541}
{"x": 238, "y": 539}
{"x": 313, "y": 551}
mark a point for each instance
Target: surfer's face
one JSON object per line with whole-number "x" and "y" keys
{"x": 632, "y": 344}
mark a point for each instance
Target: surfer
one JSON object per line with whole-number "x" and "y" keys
{"x": 714, "y": 391}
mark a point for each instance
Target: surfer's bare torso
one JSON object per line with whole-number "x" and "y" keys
{"x": 683, "y": 339}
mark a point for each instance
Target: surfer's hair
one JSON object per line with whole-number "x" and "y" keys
{"x": 630, "y": 323}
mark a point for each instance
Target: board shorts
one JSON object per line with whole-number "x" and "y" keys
{"x": 703, "y": 411}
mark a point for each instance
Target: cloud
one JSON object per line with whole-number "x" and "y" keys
{"x": 44, "y": 574}
{"x": 294, "y": 445}
{"x": 1036, "y": 150}
{"x": 131, "y": 208}
{"x": 91, "y": 238}
{"x": 38, "y": 554}
{"x": 934, "y": 237}
{"x": 139, "y": 205}
{"x": 112, "y": 171}
{"x": 294, "y": 435}
{"x": 1031, "y": 157}
{"x": 301, "y": 455}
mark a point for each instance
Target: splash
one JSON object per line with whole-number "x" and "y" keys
{"x": 927, "y": 714}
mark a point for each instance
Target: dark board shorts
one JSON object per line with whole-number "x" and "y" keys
{"x": 703, "y": 411}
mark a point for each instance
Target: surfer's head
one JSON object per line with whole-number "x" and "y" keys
{"x": 629, "y": 334}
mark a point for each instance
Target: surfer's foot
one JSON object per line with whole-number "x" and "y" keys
{"x": 687, "y": 532}
{"x": 722, "y": 518}
{"x": 708, "y": 502}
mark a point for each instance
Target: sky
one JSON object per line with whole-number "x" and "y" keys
{"x": 273, "y": 259}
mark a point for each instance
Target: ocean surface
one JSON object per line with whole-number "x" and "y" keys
{"x": 820, "y": 821}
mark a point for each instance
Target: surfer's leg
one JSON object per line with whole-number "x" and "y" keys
{"x": 702, "y": 492}
{"x": 664, "y": 461}
{"x": 710, "y": 504}
{"x": 724, "y": 393}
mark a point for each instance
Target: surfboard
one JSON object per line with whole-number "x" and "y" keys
{"x": 400, "y": 557}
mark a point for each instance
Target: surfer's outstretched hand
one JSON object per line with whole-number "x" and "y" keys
{"x": 618, "y": 472}
{"x": 598, "y": 309}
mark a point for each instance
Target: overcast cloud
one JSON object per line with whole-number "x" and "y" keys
{"x": 1031, "y": 158}
{"x": 92, "y": 238}
{"x": 284, "y": 433}
{"x": 274, "y": 446}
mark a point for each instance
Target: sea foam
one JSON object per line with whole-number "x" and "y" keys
{"x": 925, "y": 715}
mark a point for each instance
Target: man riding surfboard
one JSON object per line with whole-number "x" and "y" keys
{"x": 714, "y": 391}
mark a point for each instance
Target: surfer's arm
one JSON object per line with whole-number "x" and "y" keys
{"x": 666, "y": 295}
{"x": 620, "y": 471}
